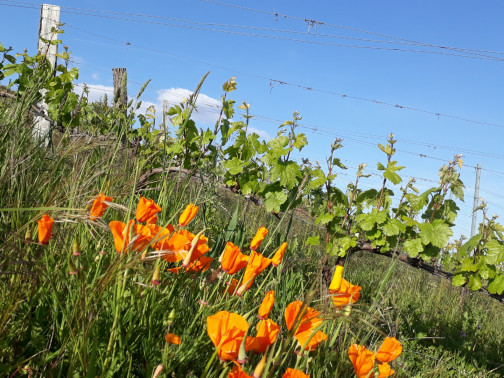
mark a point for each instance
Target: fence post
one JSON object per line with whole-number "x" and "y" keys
{"x": 49, "y": 19}
{"x": 120, "y": 87}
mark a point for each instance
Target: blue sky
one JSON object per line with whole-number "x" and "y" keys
{"x": 176, "y": 57}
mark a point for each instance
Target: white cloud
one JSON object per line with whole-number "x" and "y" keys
{"x": 207, "y": 108}
{"x": 263, "y": 134}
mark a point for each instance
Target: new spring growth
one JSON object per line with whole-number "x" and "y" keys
{"x": 28, "y": 236}
{"x": 337, "y": 277}
{"x": 171, "y": 317}
{"x": 76, "y": 251}
{"x": 260, "y": 366}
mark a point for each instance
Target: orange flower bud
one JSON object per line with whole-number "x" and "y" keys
{"x": 278, "y": 256}
{"x": 121, "y": 234}
{"x": 99, "y": 206}
{"x": 146, "y": 209}
{"x": 267, "y": 305}
{"x": 336, "y": 280}
{"x": 260, "y": 366}
{"x": 45, "y": 225}
{"x": 171, "y": 338}
{"x": 188, "y": 214}
{"x": 258, "y": 238}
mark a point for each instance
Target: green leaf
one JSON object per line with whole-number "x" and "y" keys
{"x": 324, "y": 219}
{"x": 274, "y": 200}
{"x": 469, "y": 245}
{"x": 287, "y": 172}
{"x": 367, "y": 221}
{"x": 393, "y": 227}
{"x": 458, "y": 280}
{"x": 320, "y": 178}
{"x": 413, "y": 247}
{"x": 497, "y": 285}
{"x": 475, "y": 282}
{"x": 468, "y": 265}
{"x": 437, "y": 233}
{"x": 234, "y": 166}
{"x": 300, "y": 141}
{"x": 494, "y": 252}
{"x": 312, "y": 240}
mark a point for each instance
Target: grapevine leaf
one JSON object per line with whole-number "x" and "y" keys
{"x": 469, "y": 245}
{"x": 475, "y": 282}
{"x": 234, "y": 166}
{"x": 437, "y": 233}
{"x": 458, "y": 280}
{"x": 274, "y": 200}
{"x": 324, "y": 219}
{"x": 287, "y": 172}
{"x": 494, "y": 253}
{"x": 497, "y": 285}
{"x": 468, "y": 266}
{"x": 300, "y": 141}
{"x": 413, "y": 247}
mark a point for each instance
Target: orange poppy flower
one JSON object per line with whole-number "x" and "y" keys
{"x": 232, "y": 259}
{"x": 237, "y": 372}
{"x": 152, "y": 220}
{"x": 267, "y": 305}
{"x": 226, "y": 330}
{"x": 258, "y": 238}
{"x": 267, "y": 332}
{"x": 45, "y": 225}
{"x": 278, "y": 256}
{"x": 121, "y": 234}
{"x": 335, "y": 285}
{"x": 171, "y": 338}
{"x": 362, "y": 360}
{"x": 187, "y": 215}
{"x": 256, "y": 264}
{"x": 200, "y": 265}
{"x": 309, "y": 339}
{"x": 177, "y": 246}
{"x": 347, "y": 294}
{"x": 232, "y": 286}
{"x": 146, "y": 209}
{"x": 294, "y": 373}
{"x": 99, "y": 206}
{"x": 306, "y": 325}
{"x": 385, "y": 370}
{"x": 390, "y": 349}
{"x": 143, "y": 236}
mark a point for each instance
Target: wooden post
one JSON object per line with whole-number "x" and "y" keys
{"x": 120, "y": 87}
{"x": 49, "y": 19}
{"x": 166, "y": 107}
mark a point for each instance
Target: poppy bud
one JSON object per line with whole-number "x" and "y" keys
{"x": 336, "y": 280}
{"x": 155, "y": 277}
{"x": 28, "y": 236}
{"x": 45, "y": 225}
{"x": 158, "y": 371}
{"x": 242, "y": 353}
{"x": 258, "y": 238}
{"x": 188, "y": 215}
{"x": 260, "y": 366}
{"x": 71, "y": 267}
{"x": 76, "y": 248}
{"x": 171, "y": 317}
